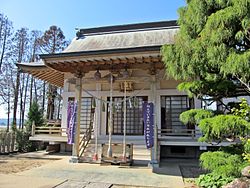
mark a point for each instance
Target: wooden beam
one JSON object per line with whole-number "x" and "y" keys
{"x": 39, "y": 73}
{"x": 52, "y": 75}
{"x": 49, "y": 76}
{"x": 105, "y": 63}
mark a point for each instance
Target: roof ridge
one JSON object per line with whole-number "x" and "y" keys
{"x": 127, "y": 28}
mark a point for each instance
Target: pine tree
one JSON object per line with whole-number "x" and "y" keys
{"x": 212, "y": 53}
{"x": 35, "y": 115}
{"x": 211, "y": 48}
{"x": 52, "y": 41}
{"x": 19, "y": 53}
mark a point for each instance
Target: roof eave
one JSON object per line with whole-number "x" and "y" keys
{"x": 102, "y": 52}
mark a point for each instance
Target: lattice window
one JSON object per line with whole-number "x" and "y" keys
{"x": 85, "y": 111}
{"x": 134, "y": 116}
{"x": 171, "y": 108}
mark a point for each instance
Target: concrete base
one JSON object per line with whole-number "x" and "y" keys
{"x": 62, "y": 147}
{"x": 74, "y": 159}
{"x": 153, "y": 164}
{"x": 53, "y": 148}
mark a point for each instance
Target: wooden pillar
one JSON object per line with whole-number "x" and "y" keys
{"x": 75, "y": 149}
{"x": 97, "y": 120}
{"x": 124, "y": 120}
{"x": 98, "y": 109}
{"x": 33, "y": 129}
{"x": 110, "y": 128}
{"x": 65, "y": 105}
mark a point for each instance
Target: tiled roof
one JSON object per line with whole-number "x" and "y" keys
{"x": 124, "y": 36}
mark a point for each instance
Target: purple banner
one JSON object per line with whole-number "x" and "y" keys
{"x": 148, "y": 119}
{"x": 71, "y": 121}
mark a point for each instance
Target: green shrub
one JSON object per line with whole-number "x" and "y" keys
{"x": 35, "y": 114}
{"x": 23, "y": 142}
{"x": 225, "y": 165}
{"x": 242, "y": 110}
{"x": 246, "y": 153}
{"x": 222, "y": 127}
{"x": 208, "y": 87}
{"x": 222, "y": 163}
{"x": 194, "y": 116}
{"x": 213, "y": 180}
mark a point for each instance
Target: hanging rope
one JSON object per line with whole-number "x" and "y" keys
{"x": 111, "y": 105}
{"x": 124, "y": 122}
{"x": 119, "y": 101}
{"x": 109, "y": 152}
{"x": 95, "y": 157}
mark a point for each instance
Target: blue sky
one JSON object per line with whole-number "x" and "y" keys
{"x": 69, "y": 15}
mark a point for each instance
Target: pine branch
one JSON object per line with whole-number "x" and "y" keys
{"x": 244, "y": 83}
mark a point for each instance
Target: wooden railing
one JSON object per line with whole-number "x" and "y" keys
{"x": 54, "y": 131}
{"x": 178, "y": 132}
{"x": 53, "y": 127}
{"x": 85, "y": 139}
{"x": 54, "y": 123}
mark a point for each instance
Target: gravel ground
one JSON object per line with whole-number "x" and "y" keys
{"x": 13, "y": 164}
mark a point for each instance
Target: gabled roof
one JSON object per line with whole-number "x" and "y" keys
{"x": 124, "y": 46}
{"x": 124, "y": 37}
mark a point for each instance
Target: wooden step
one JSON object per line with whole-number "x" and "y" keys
{"x": 140, "y": 153}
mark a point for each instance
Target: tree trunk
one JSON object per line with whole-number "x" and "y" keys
{"x": 52, "y": 92}
{"x": 8, "y": 108}
{"x": 16, "y": 93}
{"x": 44, "y": 95}
{"x": 31, "y": 91}
{"x": 21, "y": 100}
{"x": 1, "y": 27}
{"x": 35, "y": 90}
{"x": 21, "y": 47}
{"x": 3, "y": 48}
{"x": 25, "y": 96}
{"x": 59, "y": 103}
